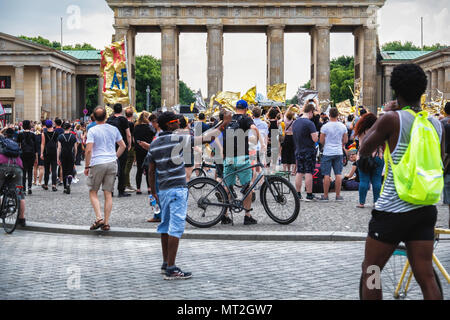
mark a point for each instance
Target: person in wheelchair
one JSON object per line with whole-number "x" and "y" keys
{"x": 11, "y": 168}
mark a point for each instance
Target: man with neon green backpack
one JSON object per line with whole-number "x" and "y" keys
{"x": 405, "y": 211}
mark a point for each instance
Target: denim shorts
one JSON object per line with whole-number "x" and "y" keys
{"x": 337, "y": 162}
{"x": 173, "y": 204}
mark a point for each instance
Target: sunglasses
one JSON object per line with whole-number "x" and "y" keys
{"x": 174, "y": 121}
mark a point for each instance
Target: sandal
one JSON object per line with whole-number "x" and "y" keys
{"x": 98, "y": 224}
{"x": 106, "y": 227}
{"x": 360, "y": 206}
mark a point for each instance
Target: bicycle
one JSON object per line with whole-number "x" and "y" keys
{"x": 397, "y": 275}
{"x": 208, "y": 208}
{"x": 10, "y": 204}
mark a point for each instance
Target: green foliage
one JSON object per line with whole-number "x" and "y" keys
{"x": 342, "y": 76}
{"x": 186, "y": 94}
{"x": 91, "y": 94}
{"x": 409, "y": 46}
{"x": 57, "y": 45}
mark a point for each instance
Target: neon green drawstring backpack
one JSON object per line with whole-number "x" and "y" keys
{"x": 418, "y": 177}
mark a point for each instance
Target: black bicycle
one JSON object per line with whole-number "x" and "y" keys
{"x": 209, "y": 200}
{"x": 10, "y": 203}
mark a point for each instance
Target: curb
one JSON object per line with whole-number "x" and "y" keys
{"x": 206, "y": 234}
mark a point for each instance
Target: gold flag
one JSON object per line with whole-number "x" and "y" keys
{"x": 250, "y": 96}
{"x": 109, "y": 111}
{"x": 277, "y": 92}
{"x": 114, "y": 70}
{"x": 228, "y": 99}
{"x": 345, "y": 107}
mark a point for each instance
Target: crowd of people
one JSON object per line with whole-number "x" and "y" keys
{"x": 301, "y": 141}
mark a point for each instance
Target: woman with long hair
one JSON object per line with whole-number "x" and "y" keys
{"x": 38, "y": 170}
{"x": 288, "y": 147}
{"x": 373, "y": 174}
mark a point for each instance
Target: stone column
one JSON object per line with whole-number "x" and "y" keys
{"x": 323, "y": 62}
{"x": 447, "y": 83}
{"x": 313, "y": 82}
{"x": 359, "y": 55}
{"x": 19, "y": 103}
{"x": 74, "y": 97}
{"x": 441, "y": 79}
{"x": 370, "y": 69}
{"x": 387, "y": 85}
{"x": 129, "y": 34}
{"x": 428, "y": 73}
{"x": 100, "y": 90}
{"x": 275, "y": 54}
{"x": 54, "y": 109}
{"x": 64, "y": 96}
{"x": 215, "y": 59}
{"x": 58, "y": 94}
{"x": 68, "y": 112}
{"x": 46, "y": 89}
{"x": 169, "y": 66}
{"x": 434, "y": 80}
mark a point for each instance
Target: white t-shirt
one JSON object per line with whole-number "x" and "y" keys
{"x": 263, "y": 129}
{"x": 104, "y": 137}
{"x": 334, "y": 132}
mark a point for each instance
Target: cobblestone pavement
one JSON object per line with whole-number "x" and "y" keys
{"x": 133, "y": 212}
{"x": 46, "y": 266}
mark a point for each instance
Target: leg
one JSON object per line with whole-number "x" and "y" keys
{"x": 326, "y": 185}
{"x": 309, "y": 183}
{"x": 47, "y": 170}
{"x": 377, "y": 180}
{"x": 54, "y": 166}
{"x": 108, "y": 205}
{"x": 165, "y": 246}
{"x": 22, "y": 209}
{"x": 129, "y": 166}
{"x": 338, "y": 185}
{"x": 172, "y": 250}
{"x": 41, "y": 173}
{"x": 420, "y": 254}
{"x": 93, "y": 196}
{"x": 298, "y": 182}
{"x": 122, "y": 164}
{"x": 377, "y": 253}
{"x": 364, "y": 180}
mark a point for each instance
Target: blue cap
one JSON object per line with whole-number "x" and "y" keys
{"x": 242, "y": 104}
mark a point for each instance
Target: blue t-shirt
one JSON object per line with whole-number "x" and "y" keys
{"x": 302, "y": 130}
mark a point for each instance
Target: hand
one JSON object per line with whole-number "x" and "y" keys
{"x": 86, "y": 172}
{"x": 391, "y": 106}
{"x": 42, "y": 157}
{"x": 129, "y": 147}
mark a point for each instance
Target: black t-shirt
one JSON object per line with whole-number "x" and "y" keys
{"x": 67, "y": 141}
{"x": 244, "y": 123}
{"x": 120, "y": 123}
{"x": 144, "y": 133}
{"x": 27, "y": 142}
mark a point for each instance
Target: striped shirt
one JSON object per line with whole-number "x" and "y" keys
{"x": 166, "y": 152}
{"x": 389, "y": 200}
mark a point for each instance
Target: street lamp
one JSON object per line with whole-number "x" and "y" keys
{"x": 148, "y": 98}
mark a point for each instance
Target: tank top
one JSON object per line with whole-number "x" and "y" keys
{"x": 389, "y": 200}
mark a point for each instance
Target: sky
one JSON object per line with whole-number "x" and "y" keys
{"x": 244, "y": 54}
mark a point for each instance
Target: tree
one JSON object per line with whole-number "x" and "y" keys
{"x": 342, "y": 76}
{"x": 57, "y": 45}
{"x": 409, "y": 46}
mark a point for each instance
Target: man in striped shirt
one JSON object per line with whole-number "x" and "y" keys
{"x": 166, "y": 159}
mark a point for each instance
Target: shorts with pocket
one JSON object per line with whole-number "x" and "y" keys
{"x": 335, "y": 162}
{"x": 102, "y": 175}
{"x": 231, "y": 165}
{"x": 173, "y": 203}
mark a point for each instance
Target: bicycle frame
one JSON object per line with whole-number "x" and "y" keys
{"x": 407, "y": 266}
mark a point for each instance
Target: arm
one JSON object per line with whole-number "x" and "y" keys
{"x": 345, "y": 138}
{"x": 88, "y": 156}
{"x": 122, "y": 148}
{"x": 258, "y": 135}
{"x": 151, "y": 178}
{"x": 322, "y": 138}
{"x": 76, "y": 150}
{"x": 42, "y": 146}
{"x": 382, "y": 130}
{"x": 315, "y": 136}
{"x": 128, "y": 138}
{"x": 58, "y": 153}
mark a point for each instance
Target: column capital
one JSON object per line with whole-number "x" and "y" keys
{"x": 168, "y": 27}
{"x": 323, "y": 27}
{"x": 19, "y": 66}
{"x": 276, "y": 27}
{"x": 214, "y": 27}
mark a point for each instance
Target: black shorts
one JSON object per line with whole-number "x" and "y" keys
{"x": 306, "y": 162}
{"x": 393, "y": 228}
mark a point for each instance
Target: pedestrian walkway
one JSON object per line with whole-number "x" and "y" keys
{"x": 56, "y": 266}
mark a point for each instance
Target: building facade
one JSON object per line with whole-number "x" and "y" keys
{"x": 37, "y": 82}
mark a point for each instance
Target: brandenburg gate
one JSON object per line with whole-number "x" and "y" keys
{"x": 319, "y": 18}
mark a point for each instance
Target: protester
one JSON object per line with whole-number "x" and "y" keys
{"x": 394, "y": 220}
{"x": 38, "y": 171}
{"x": 49, "y": 155}
{"x": 121, "y": 123}
{"x": 27, "y": 143}
{"x": 288, "y": 146}
{"x": 374, "y": 176}
{"x": 351, "y": 180}
{"x": 142, "y": 133}
{"x": 333, "y": 136}
{"x": 305, "y": 137}
{"x": 67, "y": 149}
{"x": 173, "y": 194}
{"x": 101, "y": 165}
{"x": 129, "y": 113}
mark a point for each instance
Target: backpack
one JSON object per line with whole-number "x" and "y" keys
{"x": 51, "y": 145}
{"x": 28, "y": 143}
{"x": 317, "y": 179}
{"x": 9, "y": 148}
{"x": 418, "y": 177}
{"x": 235, "y": 123}
{"x": 67, "y": 152}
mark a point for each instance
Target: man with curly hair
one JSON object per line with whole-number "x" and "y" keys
{"x": 394, "y": 220}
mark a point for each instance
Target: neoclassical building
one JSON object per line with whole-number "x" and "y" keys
{"x": 436, "y": 65}
{"x": 39, "y": 82}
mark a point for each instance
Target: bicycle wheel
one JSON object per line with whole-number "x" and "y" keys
{"x": 10, "y": 212}
{"x": 206, "y": 203}
{"x": 390, "y": 277}
{"x": 198, "y": 173}
{"x": 280, "y": 200}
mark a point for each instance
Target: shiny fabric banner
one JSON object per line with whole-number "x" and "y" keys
{"x": 250, "y": 96}
{"x": 114, "y": 70}
{"x": 228, "y": 100}
{"x": 277, "y": 92}
{"x": 345, "y": 108}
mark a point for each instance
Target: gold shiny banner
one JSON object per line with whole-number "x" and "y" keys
{"x": 228, "y": 99}
{"x": 277, "y": 92}
{"x": 114, "y": 70}
{"x": 345, "y": 108}
{"x": 250, "y": 96}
